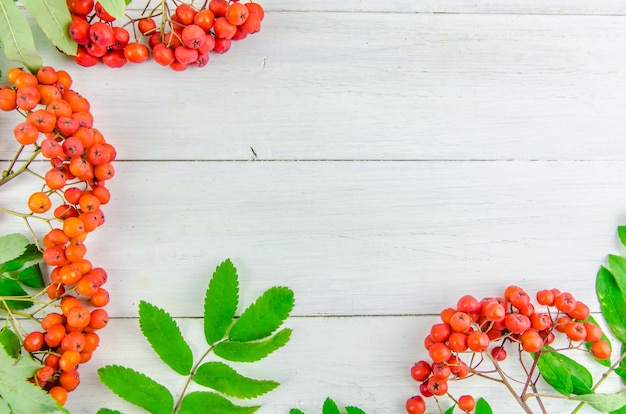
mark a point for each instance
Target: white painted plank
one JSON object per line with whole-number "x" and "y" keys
{"x": 355, "y": 238}
{"x": 369, "y": 86}
{"x": 356, "y": 361}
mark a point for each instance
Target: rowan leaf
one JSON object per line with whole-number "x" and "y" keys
{"x": 226, "y": 380}
{"x": 9, "y": 287}
{"x": 621, "y": 369}
{"x": 54, "y": 19}
{"x": 16, "y": 38}
{"x": 32, "y": 276}
{"x": 295, "y": 411}
{"x": 603, "y": 402}
{"x": 10, "y": 342}
{"x": 617, "y": 264}
{"x": 108, "y": 411}
{"x": 114, "y": 7}
{"x": 621, "y": 232}
{"x": 252, "y": 351}
{"x": 482, "y": 407}
{"x": 31, "y": 254}
{"x": 354, "y": 410}
{"x": 164, "y": 335}
{"x": 555, "y": 373}
{"x": 220, "y": 302}
{"x": 4, "y": 407}
{"x": 612, "y": 302}
{"x": 450, "y": 410}
{"x": 13, "y": 245}
{"x": 137, "y": 389}
{"x": 330, "y": 407}
{"x": 264, "y": 316}
{"x": 208, "y": 402}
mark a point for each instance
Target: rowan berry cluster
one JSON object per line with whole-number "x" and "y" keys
{"x": 478, "y": 330}
{"x": 176, "y": 38}
{"x": 58, "y": 125}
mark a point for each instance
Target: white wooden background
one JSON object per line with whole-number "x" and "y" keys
{"x": 407, "y": 153}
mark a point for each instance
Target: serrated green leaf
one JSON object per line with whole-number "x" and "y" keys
{"x": 354, "y": 410}
{"x": 53, "y": 17}
{"x": 588, "y": 345}
{"x": 10, "y": 342}
{"x": 114, "y": 7}
{"x": 208, "y": 402}
{"x": 31, "y": 254}
{"x": 32, "y": 276}
{"x": 482, "y": 407}
{"x": 16, "y": 38}
{"x": 603, "y": 402}
{"x": 164, "y": 335}
{"x": 10, "y": 287}
{"x": 621, "y": 232}
{"x": 555, "y": 373}
{"x": 220, "y": 302}
{"x": 20, "y": 395}
{"x": 617, "y": 265}
{"x": 13, "y": 245}
{"x": 108, "y": 411}
{"x": 226, "y": 380}
{"x": 264, "y": 316}
{"x": 330, "y": 407}
{"x": 450, "y": 410}
{"x": 137, "y": 389}
{"x": 612, "y": 302}
{"x": 252, "y": 351}
{"x": 295, "y": 411}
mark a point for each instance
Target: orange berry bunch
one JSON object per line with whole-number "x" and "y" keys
{"x": 179, "y": 39}
{"x": 58, "y": 126}
{"x": 476, "y": 330}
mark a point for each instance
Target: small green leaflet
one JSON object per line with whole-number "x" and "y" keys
{"x": 10, "y": 287}
{"x": 31, "y": 277}
{"x": 354, "y": 410}
{"x": 53, "y": 17}
{"x": 603, "y": 402}
{"x": 295, "y": 411}
{"x": 31, "y": 254}
{"x": 612, "y": 302}
{"x": 114, "y": 7}
{"x": 208, "y": 402}
{"x": 220, "y": 302}
{"x": 450, "y": 410}
{"x": 617, "y": 264}
{"x": 580, "y": 376}
{"x": 330, "y": 407}
{"x": 482, "y": 407}
{"x": 252, "y": 351}
{"x": 10, "y": 342}
{"x": 164, "y": 336}
{"x": 13, "y": 245}
{"x": 16, "y": 37}
{"x": 621, "y": 232}
{"x": 108, "y": 411}
{"x": 137, "y": 389}
{"x": 224, "y": 379}
{"x": 20, "y": 395}
{"x": 264, "y": 316}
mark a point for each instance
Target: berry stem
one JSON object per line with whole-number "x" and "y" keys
{"x": 9, "y": 174}
{"x": 507, "y": 384}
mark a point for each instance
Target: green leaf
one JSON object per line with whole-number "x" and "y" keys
{"x": 603, "y": 402}
{"x": 10, "y": 342}
{"x": 482, "y": 407}
{"x": 10, "y": 287}
{"x": 114, "y": 7}
{"x": 164, "y": 336}
{"x": 617, "y": 264}
{"x": 621, "y": 232}
{"x": 557, "y": 371}
{"x": 588, "y": 345}
{"x": 226, "y": 380}
{"x": 220, "y": 302}
{"x": 208, "y": 402}
{"x": 108, "y": 411}
{"x": 53, "y": 17}
{"x": 32, "y": 277}
{"x": 264, "y": 316}
{"x": 450, "y": 410}
{"x": 621, "y": 369}
{"x": 16, "y": 37}
{"x": 354, "y": 410}
{"x": 12, "y": 245}
{"x": 31, "y": 254}
{"x": 295, "y": 411}
{"x": 252, "y": 351}
{"x": 582, "y": 381}
{"x": 612, "y": 302}
{"x": 137, "y": 388}
{"x": 330, "y": 407}
{"x": 20, "y": 395}
{"x": 4, "y": 407}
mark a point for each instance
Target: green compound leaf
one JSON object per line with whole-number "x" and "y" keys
{"x": 17, "y": 39}
{"x": 31, "y": 254}
{"x": 220, "y": 302}
{"x": 621, "y": 232}
{"x": 12, "y": 246}
{"x": 53, "y": 17}
{"x": 114, "y": 7}
{"x": 164, "y": 336}
{"x": 20, "y": 395}
{"x": 612, "y": 302}
{"x": 208, "y": 402}
{"x": 264, "y": 316}
{"x": 354, "y": 410}
{"x": 32, "y": 276}
{"x": 588, "y": 345}
{"x": 252, "y": 351}
{"x": 10, "y": 342}
{"x": 108, "y": 411}
{"x": 330, "y": 407}
{"x": 10, "y": 287}
{"x": 604, "y": 402}
{"x": 226, "y": 380}
{"x": 137, "y": 388}
{"x": 482, "y": 407}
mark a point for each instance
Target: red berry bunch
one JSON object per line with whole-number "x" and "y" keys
{"x": 176, "y": 38}
{"x": 58, "y": 126}
{"x": 478, "y": 330}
